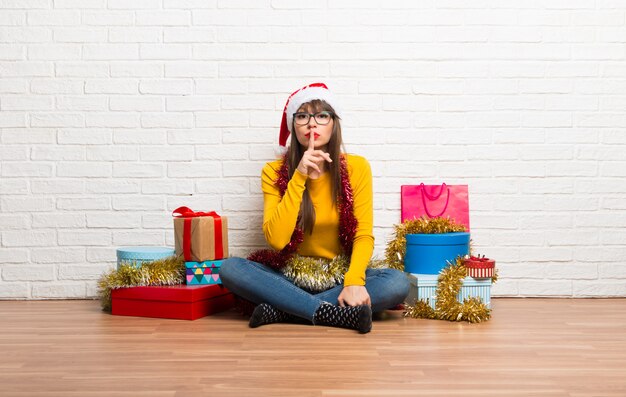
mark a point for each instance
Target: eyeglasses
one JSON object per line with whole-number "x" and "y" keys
{"x": 321, "y": 118}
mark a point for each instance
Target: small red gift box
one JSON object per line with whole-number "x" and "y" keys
{"x": 479, "y": 267}
{"x": 184, "y": 302}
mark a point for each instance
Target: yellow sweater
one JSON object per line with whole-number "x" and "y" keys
{"x": 280, "y": 215}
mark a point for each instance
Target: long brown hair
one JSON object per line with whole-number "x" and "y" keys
{"x": 295, "y": 153}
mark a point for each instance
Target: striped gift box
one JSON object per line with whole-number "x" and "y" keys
{"x": 424, "y": 287}
{"x": 479, "y": 267}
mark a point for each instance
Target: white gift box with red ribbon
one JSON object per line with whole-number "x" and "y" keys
{"x": 479, "y": 267}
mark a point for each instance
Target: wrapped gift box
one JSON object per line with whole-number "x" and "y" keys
{"x": 203, "y": 273}
{"x": 200, "y": 236}
{"x": 136, "y": 256}
{"x": 430, "y": 253}
{"x": 184, "y": 302}
{"x": 479, "y": 267}
{"x": 424, "y": 287}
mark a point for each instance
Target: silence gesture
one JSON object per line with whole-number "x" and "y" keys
{"x": 312, "y": 163}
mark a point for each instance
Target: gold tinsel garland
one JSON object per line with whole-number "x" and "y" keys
{"x": 167, "y": 271}
{"x": 396, "y": 248}
{"x": 313, "y": 274}
{"x": 447, "y": 307}
{"x": 319, "y": 274}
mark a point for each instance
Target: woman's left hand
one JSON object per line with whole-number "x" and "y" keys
{"x": 354, "y": 295}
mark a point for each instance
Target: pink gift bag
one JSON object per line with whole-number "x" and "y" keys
{"x": 436, "y": 201}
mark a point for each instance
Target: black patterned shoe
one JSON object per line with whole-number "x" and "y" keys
{"x": 268, "y": 314}
{"x": 352, "y": 317}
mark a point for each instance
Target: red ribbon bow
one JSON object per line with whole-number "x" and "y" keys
{"x": 479, "y": 258}
{"x": 188, "y": 214}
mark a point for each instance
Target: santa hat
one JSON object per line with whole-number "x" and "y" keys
{"x": 295, "y": 100}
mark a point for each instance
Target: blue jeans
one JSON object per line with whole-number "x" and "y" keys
{"x": 261, "y": 284}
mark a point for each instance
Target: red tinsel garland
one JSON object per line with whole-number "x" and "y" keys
{"x": 347, "y": 221}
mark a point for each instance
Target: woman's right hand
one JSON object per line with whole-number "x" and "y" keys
{"x": 312, "y": 159}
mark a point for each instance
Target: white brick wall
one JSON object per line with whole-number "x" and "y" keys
{"x": 113, "y": 113}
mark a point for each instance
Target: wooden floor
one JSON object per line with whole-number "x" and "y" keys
{"x": 531, "y": 347}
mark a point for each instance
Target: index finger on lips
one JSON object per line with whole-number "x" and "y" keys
{"x": 311, "y": 141}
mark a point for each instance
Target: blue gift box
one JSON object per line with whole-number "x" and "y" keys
{"x": 430, "y": 253}
{"x": 203, "y": 273}
{"x": 424, "y": 287}
{"x": 136, "y": 256}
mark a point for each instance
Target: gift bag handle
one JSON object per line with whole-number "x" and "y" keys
{"x": 435, "y": 197}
